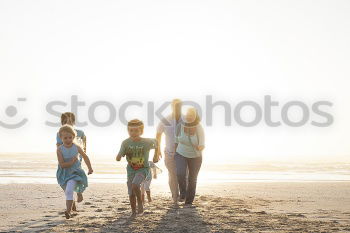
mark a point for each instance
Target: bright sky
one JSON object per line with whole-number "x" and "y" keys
{"x": 155, "y": 51}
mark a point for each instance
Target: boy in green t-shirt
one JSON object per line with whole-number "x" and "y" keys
{"x": 136, "y": 149}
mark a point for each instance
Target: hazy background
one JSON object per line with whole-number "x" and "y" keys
{"x": 159, "y": 50}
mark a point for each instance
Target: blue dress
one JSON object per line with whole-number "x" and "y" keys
{"x": 75, "y": 172}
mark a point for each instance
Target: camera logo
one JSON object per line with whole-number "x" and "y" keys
{"x": 11, "y": 112}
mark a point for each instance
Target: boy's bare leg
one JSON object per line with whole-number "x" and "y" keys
{"x": 143, "y": 193}
{"x": 143, "y": 198}
{"x": 132, "y": 199}
{"x": 149, "y": 196}
{"x": 136, "y": 189}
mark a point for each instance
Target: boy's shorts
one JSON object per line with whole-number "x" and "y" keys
{"x": 137, "y": 178}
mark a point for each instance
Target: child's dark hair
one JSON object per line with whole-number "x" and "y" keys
{"x": 68, "y": 118}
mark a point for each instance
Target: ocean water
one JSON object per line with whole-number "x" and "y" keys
{"x": 35, "y": 168}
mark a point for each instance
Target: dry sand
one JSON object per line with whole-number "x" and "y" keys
{"x": 232, "y": 207}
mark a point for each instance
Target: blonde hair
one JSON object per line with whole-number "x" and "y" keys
{"x": 67, "y": 129}
{"x": 68, "y": 118}
{"x": 197, "y": 119}
{"x": 136, "y": 123}
{"x": 176, "y": 101}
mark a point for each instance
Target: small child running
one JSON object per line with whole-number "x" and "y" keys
{"x": 146, "y": 185}
{"x": 70, "y": 175}
{"x": 136, "y": 149}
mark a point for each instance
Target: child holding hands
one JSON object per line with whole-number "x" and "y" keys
{"x": 136, "y": 149}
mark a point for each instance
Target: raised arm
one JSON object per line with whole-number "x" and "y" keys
{"x": 61, "y": 160}
{"x": 86, "y": 159}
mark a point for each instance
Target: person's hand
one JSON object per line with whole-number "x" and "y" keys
{"x": 75, "y": 158}
{"x": 159, "y": 155}
{"x": 155, "y": 159}
{"x": 200, "y": 148}
{"x": 118, "y": 158}
{"x": 90, "y": 171}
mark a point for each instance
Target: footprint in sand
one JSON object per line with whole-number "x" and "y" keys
{"x": 245, "y": 211}
{"x": 296, "y": 215}
{"x": 203, "y": 198}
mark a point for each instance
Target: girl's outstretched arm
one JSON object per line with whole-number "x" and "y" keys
{"x": 86, "y": 160}
{"x": 84, "y": 143}
{"x": 61, "y": 160}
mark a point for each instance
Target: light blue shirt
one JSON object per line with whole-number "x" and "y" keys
{"x": 168, "y": 127}
{"x": 186, "y": 147}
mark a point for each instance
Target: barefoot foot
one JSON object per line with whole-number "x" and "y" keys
{"x": 80, "y": 197}
{"x": 140, "y": 209}
{"x": 67, "y": 214}
{"x": 149, "y": 198}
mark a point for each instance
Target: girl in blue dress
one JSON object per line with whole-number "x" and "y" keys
{"x": 68, "y": 118}
{"x": 70, "y": 175}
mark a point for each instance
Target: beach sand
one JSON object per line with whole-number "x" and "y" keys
{"x": 225, "y": 207}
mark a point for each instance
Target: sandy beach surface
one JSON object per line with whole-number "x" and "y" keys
{"x": 224, "y": 207}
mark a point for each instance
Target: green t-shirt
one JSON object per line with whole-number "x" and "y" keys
{"x": 137, "y": 154}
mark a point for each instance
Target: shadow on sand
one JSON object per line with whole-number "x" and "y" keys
{"x": 161, "y": 218}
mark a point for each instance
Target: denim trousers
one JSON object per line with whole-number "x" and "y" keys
{"x": 187, "y": 184}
